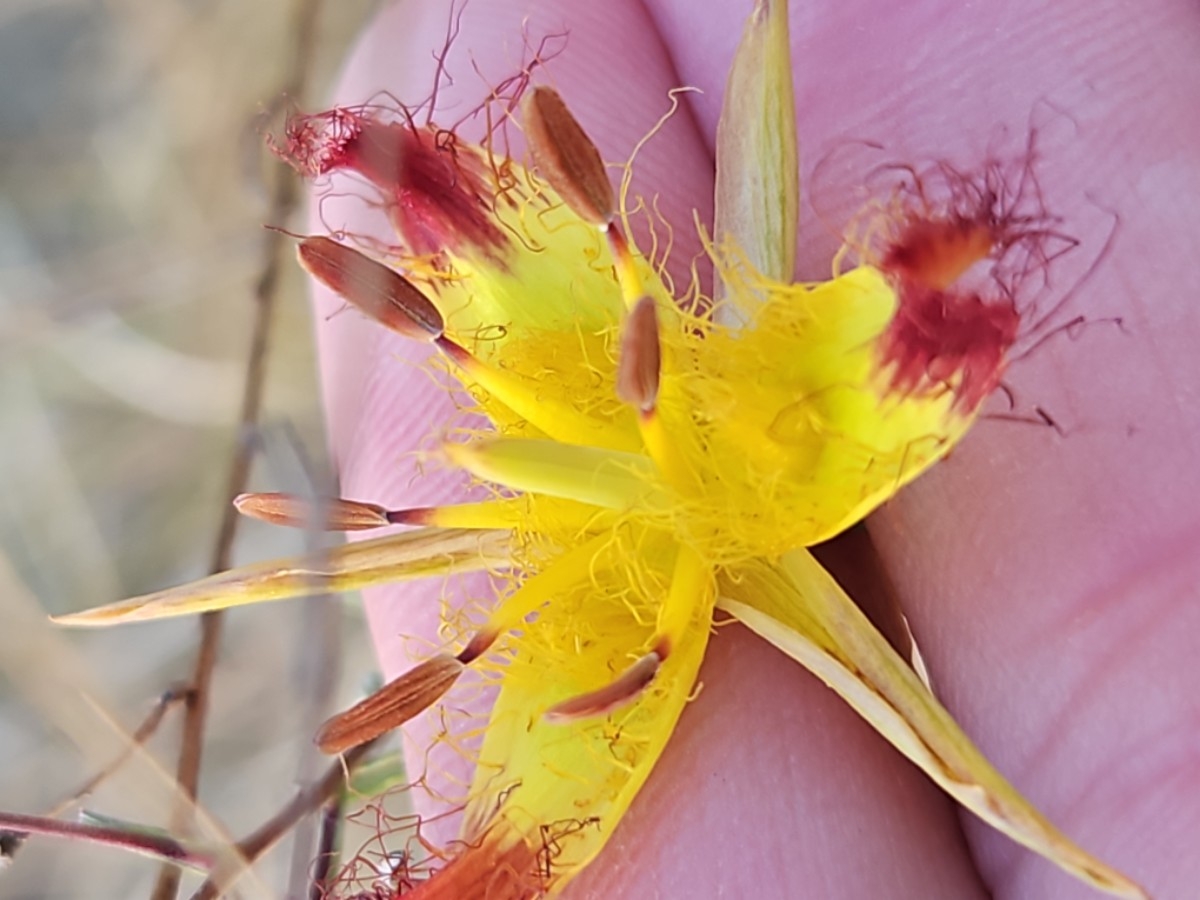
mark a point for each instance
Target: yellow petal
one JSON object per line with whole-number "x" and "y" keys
{"x": 790, "y": 422}
{"x": 800, "y": 609}
{"x": 758, "y": 193}
{"x": 552, "y": 793}
{"x": 413, "y": 554}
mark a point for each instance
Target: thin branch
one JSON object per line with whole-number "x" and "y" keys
{"x": 285, "y": 197}
{"x": 269, "y": 833}
{"x": 12, "y": 842}
{"x": 327, "y": 847}
{"x": 225, "y": 868}
{"x": 156, "y": 844}
{"x": 171, "y": 696}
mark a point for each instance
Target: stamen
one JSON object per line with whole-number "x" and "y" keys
{"x": 690, "y": 583}
{"x": 556, "y": 418}
{"x": 419, "y": 688}
{"x": 626, "y": 266}
{"x": 566, "y": 157}
{"x": 335, "y": 514}
{"x": 626, "y": 688}
{"x": 375, "y": 289}
{"x": 503, "y": 513}
{"x": 692, "y": 580}
{"x": 477, "y": 645}
{"x": 639, "y": 373}
{"x": 391, "y": 706}
{"x": 402, "y": 698}
{"x": 606, "y": 478}
{"x": 640, "y": 362}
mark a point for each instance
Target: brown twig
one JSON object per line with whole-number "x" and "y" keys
{"x": 11, "y": 842}
{"x": 284, "y": 199}
{"x": 327, "y": 848}
{"x": 265, "y": 836}
{"x": 172, "y": 695}
{"x": 154, "y": 844}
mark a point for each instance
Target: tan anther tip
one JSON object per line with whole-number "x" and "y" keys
{"x": 371, "y": 287}
{"x": 391, "y": 706}
{"x": 334, "y": 514}
{"x": 566, "y": 157}
{"x": 640, "y": 362}
{"x": 478, "y": 645}
{"x": 624, "y": 689}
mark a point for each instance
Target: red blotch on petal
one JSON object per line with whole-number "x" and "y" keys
{"x": 436, "y": 194}
{"x": 937, "y": 252}
{"x": 959, "y": 248}
{"x": 942, "y": 338}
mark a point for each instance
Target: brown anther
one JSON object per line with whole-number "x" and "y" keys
{"x": 417, "y": 515}
{"x": 566, "y": 157}
{"x": 626, "y": 688}
{"x": 391, "y": 706}
{"x": 375, "y": 289}
{"x": 456, "y": 353}
{"x": 301, "y": 512}
{"x": 477, "y": 646}
{"x": 662, "y": 648}
{"x": 640, "y": 362}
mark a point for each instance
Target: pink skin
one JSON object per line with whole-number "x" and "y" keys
{"x": 1051, "y": 582}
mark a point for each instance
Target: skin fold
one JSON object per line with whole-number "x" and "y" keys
{"x": 1051, "y": 581}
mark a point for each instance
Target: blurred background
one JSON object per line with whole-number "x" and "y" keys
{"x": 133, "y": 186}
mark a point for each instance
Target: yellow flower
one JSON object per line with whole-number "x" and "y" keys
{"x": 652, "y": 461}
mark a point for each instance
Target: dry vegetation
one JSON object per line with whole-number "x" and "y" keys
{"x": 133, "y": 186}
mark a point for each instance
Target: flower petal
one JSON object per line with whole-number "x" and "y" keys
{"x": 414, "y": 554}
{"x": 792, "y": 420}
{"x": 800, "y": 609}
{"x": 758, "y": 192}
{"x": 551, "y": 793}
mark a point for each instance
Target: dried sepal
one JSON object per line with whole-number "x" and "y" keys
{"x": 566, "y": 157}
{"x": 414, "y": 554}
{"x": 798, "y": 607}
{"x": 335, "y": 514}
{"x": 371, "y": 287}
{"x": 757, "y": 198}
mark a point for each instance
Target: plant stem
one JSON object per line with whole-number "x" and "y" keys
{"x": 175, "y": 694}
{"x": 266, "y": 835}
{"x": 284, "y": 199}
{"x": 153, "y": 844}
